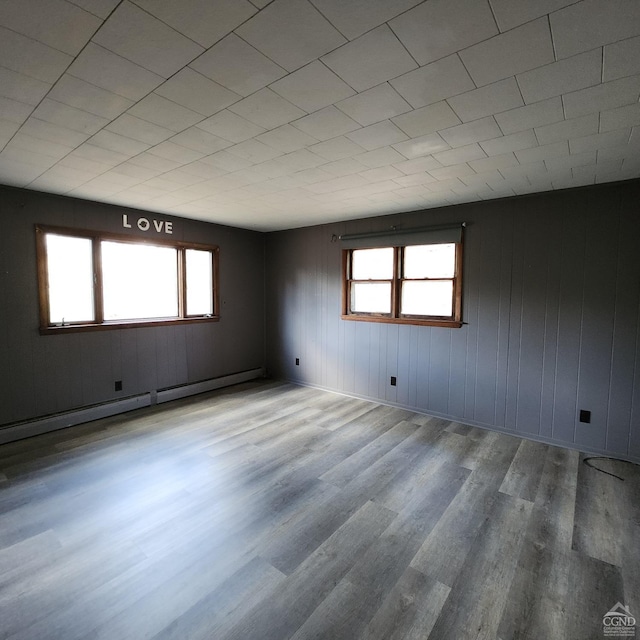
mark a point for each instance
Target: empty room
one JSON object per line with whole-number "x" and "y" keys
{"x": 319, "y": 319}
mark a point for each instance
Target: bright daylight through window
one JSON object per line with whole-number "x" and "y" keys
{"x": 416, "y": 284}
{"x": 89, "y": 281}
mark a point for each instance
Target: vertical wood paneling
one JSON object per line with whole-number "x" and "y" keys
{"x": 532, "y": 323}
{"x": 551, "y": 302}
{"x": 597, "y": 320}
{"x": 569, "y": 320}
{"x": 625, "y": 329}
{"x": 40, "y": 375}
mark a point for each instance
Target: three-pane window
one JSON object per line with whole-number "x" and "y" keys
{"x": 91, "y": 280}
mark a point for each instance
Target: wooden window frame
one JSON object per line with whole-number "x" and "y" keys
{"x": 99, "y": 324}
{"x": 395, "y": 317}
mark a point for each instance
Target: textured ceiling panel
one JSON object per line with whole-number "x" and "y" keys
{"x": 279, "y": 114}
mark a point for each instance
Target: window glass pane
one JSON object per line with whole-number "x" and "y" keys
{"x": 371, "y": 297}
{"x": 139, "y": 281}
{"x": 427, "y": 298}
{"x": 199, "y": 283}
{"x": 70, "y": 271}
{"x": 372, "y": 264}
{"x": 430, "y": 261}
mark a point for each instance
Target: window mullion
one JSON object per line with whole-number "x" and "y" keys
{"x": 396, "y": 283}
{"x": 98, "y": 297}
{"x": 182, "y": 282}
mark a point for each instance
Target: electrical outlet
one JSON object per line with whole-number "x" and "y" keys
{"x": 297, "y": 362}
{"x": 585, "y": 416}
{"x": 393, "y": 381}
{"x": 118, "y": 385}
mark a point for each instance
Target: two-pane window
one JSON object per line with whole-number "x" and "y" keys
{"x": 416, "y": 284}
{"x": 88, "y": 280}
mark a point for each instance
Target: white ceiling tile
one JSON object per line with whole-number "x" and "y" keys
{"x": 286, "y": 139}
{"x": 30, "y": 57}
{"x": 521, "y": 49}
{"x": 373, "y": 58}
{"x": 476, "y": 131}
{"x": 570, "y": 74}
{"x": 381, "y": 173}
{"x": 175, "y": 152}
{"x": 83, "y": 95}
{"x": 7, "y": 131}
{"x": 291, "y": 32}
{"x": 567, "y": 129}
{"x": 380, "y": 103}
{"x": 199, "y": 140}
{"x": 377, "y": 135}
{"x": 438, "y": 28}
{"x": 230, "y": 126}
{"x": 39, "y": 150}
{"x": 84, "y": 164}
{"x": 568, "y": 162}
{"x": 312, "y": 87}
{"x": 14, "y": 111}
{"x": 344, "y": 182}
{"x": 100, "y": 8}
{"x": 132, "y": 127}
{"x": 100, "y": 155}
{"x": 445, "y": 184}
{"x": 433, "y": 83}
{"x": 414, "y": 179}
{"x": 421, "y": 146}
{"x": 236, "y": 65}
{"x": 452, "y": 171}
{"x": 326, "y": 124}
{"x": 300, "y": 160}
{"x": 154, "y": 162}
{"x": 116, "y": 142}
{"x": 593, "y": 23}
{"x": 267, "y": 109}
{"x": 609, "y": 95}
{"x": 534, "y": 115}
{"x": 53, "y": 132}
{"x": 202, "y": 170}
{"x": 357, "y": 17}
{"x": 512, "y": 142}
{"x": 345, "y": 167}
{"x": 622, "y": 59}
{"x": 70, "y": 117}
{"x": 19, "y": 87}
{"x": 537, "y": 154}
{"x": 226, "y": 161}
{"x": 204, "y": 21}
{"x": 56, "y": 23}
{"x": 379, "y": 157}
{"x": 460, "y": 155}
{"x": 427, "y": 119}
{"x": 600, "y": 141}
{"x": 194, "y": 91}
{"x": 487, "y": 100}
{"x": 417, "y": 165}
{"x": 628, "y": 116}
{"x": 166, "y": 113}
{"x": 109, "y": 71}
{"x": 253, "y": 151}
{"x": 137, "y": 36}
{"x": 512, "y": 13}
{"x": 336, "y": 148}
{"x": 494, "y": 162}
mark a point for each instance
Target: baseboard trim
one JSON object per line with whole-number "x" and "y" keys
{"x": 45, "y": 424}
{"x": 474, "y": 423}
{"x": 175, "y": 393}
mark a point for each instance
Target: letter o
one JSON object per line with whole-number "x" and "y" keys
{"x": 143, "y": 224}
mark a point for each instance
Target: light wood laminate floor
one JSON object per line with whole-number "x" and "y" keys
{"x": 270, "y": 511}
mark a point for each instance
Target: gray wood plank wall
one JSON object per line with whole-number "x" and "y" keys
{"x": 551, "y": 302}
{"x": 41, "y": 375}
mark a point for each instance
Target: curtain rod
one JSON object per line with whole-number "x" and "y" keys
{"x": 396, "y": 231}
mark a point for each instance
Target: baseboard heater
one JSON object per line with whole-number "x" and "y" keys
{"x": 38, "y": 426}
